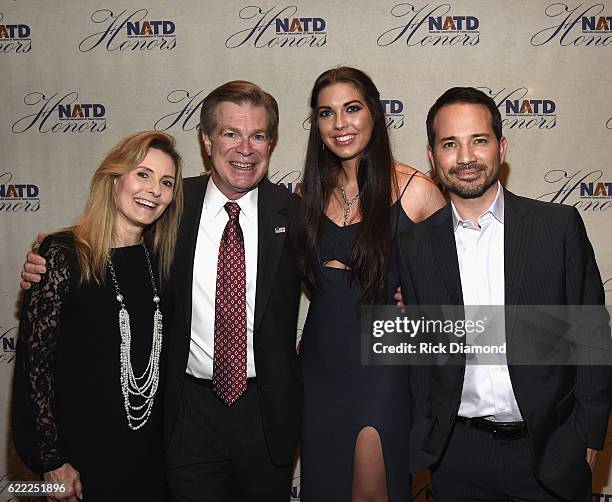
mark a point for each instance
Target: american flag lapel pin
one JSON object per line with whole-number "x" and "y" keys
{"x": 279, "y": 230}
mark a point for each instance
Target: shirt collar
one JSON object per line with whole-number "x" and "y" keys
{"x": 214, "y": 200}
{"x": 496, "y": 209}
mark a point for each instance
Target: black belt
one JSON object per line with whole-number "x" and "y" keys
{"x": 205, "y": 382}
{"x": 499, "y": 430}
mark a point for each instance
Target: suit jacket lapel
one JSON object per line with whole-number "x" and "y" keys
{"x": 445, "y": 252}
{"x": 189, "y": 234}
{"x": 516, "y": 237}
{"x": 272, "y": 231}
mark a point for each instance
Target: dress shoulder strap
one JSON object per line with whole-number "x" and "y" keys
{"x": 399, "y": 205}
{"x": 406, "y": 185}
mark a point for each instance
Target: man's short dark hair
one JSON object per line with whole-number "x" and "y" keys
{"x": 238, "y": 92}
{"x": 468, "y": 95}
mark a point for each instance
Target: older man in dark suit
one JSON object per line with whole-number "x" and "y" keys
{"x": 233, "y": 394}
{"x": 500, "y": 432}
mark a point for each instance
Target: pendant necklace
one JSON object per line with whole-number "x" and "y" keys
{"x": 140, "y": 389}
{"x": 347, "y": 204}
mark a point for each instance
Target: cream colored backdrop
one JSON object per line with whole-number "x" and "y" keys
{"x": 77, "y": 76}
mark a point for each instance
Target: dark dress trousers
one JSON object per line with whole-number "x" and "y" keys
{"x": 548, "y": 260}
{"x": 279, "y": 382}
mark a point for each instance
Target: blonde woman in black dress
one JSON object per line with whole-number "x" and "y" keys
{"x": 87, "y": 403}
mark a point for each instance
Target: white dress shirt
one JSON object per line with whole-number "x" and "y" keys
{"x": 487, "y": 389}
{"x": 213, "y": 219}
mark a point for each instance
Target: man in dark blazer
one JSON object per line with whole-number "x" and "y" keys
{"x": 244, "y": 450}
{"x": 500, "y": 432}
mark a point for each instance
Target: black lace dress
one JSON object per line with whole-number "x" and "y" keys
{"x": 68, "y": 405}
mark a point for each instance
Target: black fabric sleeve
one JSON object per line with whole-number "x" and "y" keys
{"x": 35, "y": 432}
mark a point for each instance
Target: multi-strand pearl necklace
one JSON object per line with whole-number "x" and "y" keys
{"x": 144, "y": 387}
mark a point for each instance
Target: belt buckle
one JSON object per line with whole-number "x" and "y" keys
{"x": 500, "y": 433}
{"x": 497, "y": 433}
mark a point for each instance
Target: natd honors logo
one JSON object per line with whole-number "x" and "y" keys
{"x": 394, "y": 114}
{"x": 8, "y": 338}
{"x": 431, "y": 25}
{"x": 278, "y": 27}
{"x": 582, "y": 25}
{"x": 14, "y": 37}
{"x": 130, "y": 31}
{"x": 63, "y": 113}
{"x": 17, "y": 197}
{"x": 585, "y": 190}
{"x": 521, "y": 111}
{"x": 187, "y": 115}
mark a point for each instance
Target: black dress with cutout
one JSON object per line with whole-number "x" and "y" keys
{"x": 341, "y": 396}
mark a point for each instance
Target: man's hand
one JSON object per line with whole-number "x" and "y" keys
{"x": 397, "y": 296}
{"x": 591, "y": 457}
{"x": 70, "y": 477}
{"x": 32, "y": 268}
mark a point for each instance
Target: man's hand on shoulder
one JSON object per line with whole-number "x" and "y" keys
{"x": 32, "y": 270}
{"x": 34, "y": 265}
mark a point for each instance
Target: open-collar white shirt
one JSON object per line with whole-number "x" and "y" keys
{"x": 487, "y": 389}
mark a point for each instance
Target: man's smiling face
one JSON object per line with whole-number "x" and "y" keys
{"x": 239, "y": 148}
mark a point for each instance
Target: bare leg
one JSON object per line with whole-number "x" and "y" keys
{"x": 369, "y": 478}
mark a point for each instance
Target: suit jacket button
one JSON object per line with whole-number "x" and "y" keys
{"x": 451, "y": 419}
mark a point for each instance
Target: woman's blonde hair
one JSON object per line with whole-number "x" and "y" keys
{"x": 95, "y": 231}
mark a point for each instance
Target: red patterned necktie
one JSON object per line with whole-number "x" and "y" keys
{"x": 229, "y": 361}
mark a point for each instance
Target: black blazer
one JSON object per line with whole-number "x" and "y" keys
{"x": 279, "y": 380}
{"x": 548, "y": 260}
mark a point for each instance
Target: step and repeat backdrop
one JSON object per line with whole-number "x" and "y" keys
{"x": 77, "y": 76}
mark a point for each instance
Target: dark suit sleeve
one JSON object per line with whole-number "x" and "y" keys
{"x": 593, "y": 390}
{"x": 420, "y": 376}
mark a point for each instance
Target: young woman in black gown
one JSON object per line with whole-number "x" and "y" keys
{"x": 87, "y": 403}
{"x": 356, "y": 200}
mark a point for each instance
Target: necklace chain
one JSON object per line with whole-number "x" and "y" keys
{"x": 144, "y": 387}
{"x": 348, "y": 204}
